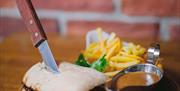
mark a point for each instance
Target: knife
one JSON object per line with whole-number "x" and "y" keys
{"x": 38, "y": 35}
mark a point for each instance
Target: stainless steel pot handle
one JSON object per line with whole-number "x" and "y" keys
{"x": 153, "y": 53}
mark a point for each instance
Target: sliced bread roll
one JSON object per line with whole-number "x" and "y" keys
{"x": 71, "y": 78}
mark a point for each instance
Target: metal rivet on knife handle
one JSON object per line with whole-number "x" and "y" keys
{"x": 31, "y": 22}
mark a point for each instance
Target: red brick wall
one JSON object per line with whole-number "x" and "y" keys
{"x": 133, "y": 19}
{"x": 151, "y": 7}
{"x": 174, "y": 32}
{"x": 10, "y": 25}
{"x": 124, "y": 30}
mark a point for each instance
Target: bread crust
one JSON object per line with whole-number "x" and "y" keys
{"x": 25, "y": 88}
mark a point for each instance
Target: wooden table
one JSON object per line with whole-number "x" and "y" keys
{"x": 17, "y": 55}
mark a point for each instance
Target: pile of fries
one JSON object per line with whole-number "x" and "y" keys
{"x": 119, "y": 54}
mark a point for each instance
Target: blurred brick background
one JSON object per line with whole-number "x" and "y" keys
{"x": 137, "y": 19}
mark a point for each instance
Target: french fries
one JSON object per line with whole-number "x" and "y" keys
{"x": 123, "y": 65}
{"x": 122, "y": 59}
{"x": 118, "y": 55}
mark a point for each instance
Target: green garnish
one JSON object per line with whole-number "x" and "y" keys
{"x": 81, "y": 61}
{"x": 100, "y": 64}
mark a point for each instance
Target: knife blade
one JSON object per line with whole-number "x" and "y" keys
{"x": 47, "y": 56}
{"x": 38, "y": 35}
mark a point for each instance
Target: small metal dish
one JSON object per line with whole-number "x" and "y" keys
{"x": 149, "y": 67}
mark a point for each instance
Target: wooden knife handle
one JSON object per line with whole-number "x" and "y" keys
{"x": 32, "y": 22}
